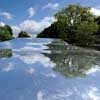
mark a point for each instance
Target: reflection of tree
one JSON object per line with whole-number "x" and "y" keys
{"x": 5, "y": 53}
{"x": 71, "y": 61}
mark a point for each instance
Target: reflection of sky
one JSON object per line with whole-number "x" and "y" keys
{"x": 93, "y": 70}
{"x": 28, "y": 75}
{"x": 8, "y": 67}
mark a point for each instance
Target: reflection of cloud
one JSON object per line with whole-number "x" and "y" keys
{"x": 7, "y": 44}
{"x": 34, "y": 48}
{"x": 40, "y": 95}
{"x": 92, "y": 94}
{"x": 93, "y": 70}
{"x": 51, "y": 75}
{"x": 31, "y": 59}
{"x": 33, "y": 45}
{"x": 8, "y": 67}
{"x": 40, "y": 43}
{"x": 61, "y": 95}
{"x": 30, "y": 71}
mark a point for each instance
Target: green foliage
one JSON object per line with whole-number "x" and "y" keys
{"x": 97, "y": 20}
{"x": 23, "y": 34}
{"x": 74, "y": 14}
{"x": 50, "y": 32}
{"x": 5, "y": 33}
{"x": 75, "y": 24}
{"x": 9, "y": 29}
{"x": 84, "y": 34}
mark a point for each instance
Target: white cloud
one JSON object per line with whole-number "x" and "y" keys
{"x": 51, "y": 6}
{"x": 2, "y": 24}
{"x": 31, "y": 12}
{"x": 16, "y": 30}
{"x": 6, "y": 15}
{"x": 95, "y": 11}
{"x": 33, "y": 27}
{"x": 30, "y": 26}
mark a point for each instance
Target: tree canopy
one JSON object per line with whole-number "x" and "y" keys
{"x": 23, "y": 34}
{"x": 75, "y": 24}
{"x": 97, "y": 20}
{"x": 5, "y": 33}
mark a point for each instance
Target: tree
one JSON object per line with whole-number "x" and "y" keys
{"x": 50, "y": 32}
{"x": 9, "y": 29}
{"x": 74, "y": 14}
{"x": 71, "y": 24}
{"x": 23, "y": 34}
{"x": 5, "y": 33}
{"x": 85, "y": 34}
{"x": 97, "y": 20}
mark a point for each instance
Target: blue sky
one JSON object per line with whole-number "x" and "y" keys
{"x": 34, "y": 13}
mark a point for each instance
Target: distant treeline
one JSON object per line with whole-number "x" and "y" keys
{"x": 6, "y": 33}
{"x": 76, "y": 25}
